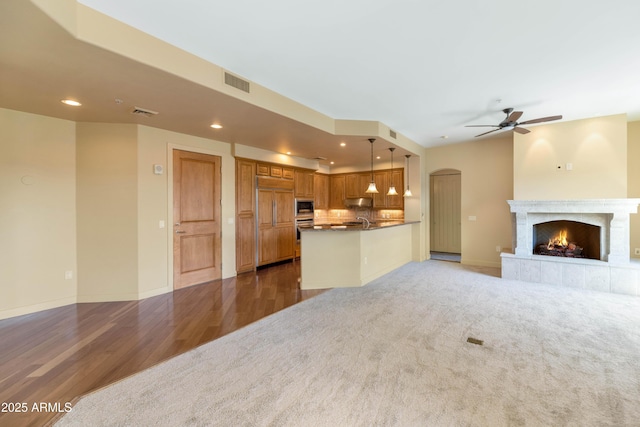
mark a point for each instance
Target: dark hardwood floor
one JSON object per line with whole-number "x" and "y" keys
{"x": 56, "y": 356}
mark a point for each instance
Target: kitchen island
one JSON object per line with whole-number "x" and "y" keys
{"x": 338, "y": 256}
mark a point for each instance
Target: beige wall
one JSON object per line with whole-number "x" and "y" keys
{"x": 633, "y": 185}
{"x": 107, "y": 211}
{"x": 37, "y": 214}
{"x": 83, "y": 198}
{"x": 597, "y": 149}
{"x": 487, "y": 183}
{"x": 124, "y": 251}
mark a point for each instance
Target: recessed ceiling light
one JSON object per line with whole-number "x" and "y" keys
{"x": 343, "y": 144}
{"x": 288, "y": 153}
{"x": 332, "y": 163}
{"x": 378, "y": 157}
{"x": 71, "y": 102}
{"x": 216, "y": 126}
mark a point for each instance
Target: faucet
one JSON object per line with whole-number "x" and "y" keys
{"x": 365, "y": 221}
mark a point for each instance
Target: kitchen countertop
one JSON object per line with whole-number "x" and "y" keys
{"x": 350, "y": 226}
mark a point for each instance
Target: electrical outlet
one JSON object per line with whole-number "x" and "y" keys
{"x": 68, "y": 275}
{"x": 637, "y": 251}
{"x": 498, "y": 248}
{"x": 365, "y": 260}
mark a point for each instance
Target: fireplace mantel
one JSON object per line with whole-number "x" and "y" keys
{"x": 614, "y": 266}
{"x": 610, "y": 214}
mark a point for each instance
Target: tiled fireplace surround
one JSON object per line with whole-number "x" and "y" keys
{"x": 614, "y": 272}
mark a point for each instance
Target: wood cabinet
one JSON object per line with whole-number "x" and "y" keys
{"x": 397, "y": 179}
{"x": 245, "y": 215}
{"x": 383, "y": 180}
{"x": 276, "y": 228}
{"x": 336, "y": 191}
{"x": 321, "y": 190}
{"x": 276, "y": 171}
{"x": 356, "y": 184}
{"x": 303, "y": 184}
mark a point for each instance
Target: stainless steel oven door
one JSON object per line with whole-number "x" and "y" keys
{"x": 302, "y": 222}
{"x": 304, "y": 207}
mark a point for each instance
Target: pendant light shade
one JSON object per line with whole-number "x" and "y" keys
{"x": 392, "y": 189}
{"x": 407, "y": 192}
{"x": 372, "y": 185}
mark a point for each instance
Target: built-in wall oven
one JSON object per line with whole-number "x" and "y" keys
{"x": 303, "y": 215}
{"x": 304, "y": 208}
{"x": 302, "y": 222}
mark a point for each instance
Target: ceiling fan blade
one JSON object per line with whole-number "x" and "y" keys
{"x": 521, "y": 130}
{"x": 513, "y": 117}
{"x": 482, "y": 126}
{"x": 487, "y": 132}
{"x": 540, "y": 120}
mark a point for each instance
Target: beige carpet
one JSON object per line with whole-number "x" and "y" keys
{"x": 395, "y": 352}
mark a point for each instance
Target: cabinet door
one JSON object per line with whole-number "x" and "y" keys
{"x": 266, "y": 227}
{"x": 245, "y": 215}
{"x": 382, "y": 184}
{"x": 336, "y": 191}
{"x": 321, "y": 191}
{"x": 396, "y": 178}
{"x": 284, "y": 225}
{"x": 352, "y": 186}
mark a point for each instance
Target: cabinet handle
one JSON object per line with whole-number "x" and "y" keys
{"x": 274, "y": 212}
{"x": 180, "y": 232}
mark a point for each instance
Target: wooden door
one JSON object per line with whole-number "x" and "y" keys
{"x": 196, "y": 215}
{"x": 445, "y": 213}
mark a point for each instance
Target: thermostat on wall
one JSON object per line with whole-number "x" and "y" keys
{"x": 158, "y": 169}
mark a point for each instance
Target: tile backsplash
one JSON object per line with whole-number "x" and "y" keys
{"x": 335, "y": 216}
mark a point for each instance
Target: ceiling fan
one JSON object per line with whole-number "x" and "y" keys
{"x": 511, "y": 122}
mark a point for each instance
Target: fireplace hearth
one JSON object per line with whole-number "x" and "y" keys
{"x": 577, "y": 243}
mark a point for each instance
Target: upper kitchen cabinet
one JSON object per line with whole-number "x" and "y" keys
{"x": 321, "y": 190}
{"x": 336, "y": 191}
{"x": 356, "y": 184}
{"x": 303, "y": 184}
{"x": 397, "y": 180}
{"x": 276, "y": 171}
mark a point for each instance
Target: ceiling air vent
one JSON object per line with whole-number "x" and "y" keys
{"x": 236, "y": 82}
{"x": 143, "y": 112}
{"x": 392, "y": 133}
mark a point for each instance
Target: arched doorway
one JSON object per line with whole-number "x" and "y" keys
{"x": 445, "y": 210}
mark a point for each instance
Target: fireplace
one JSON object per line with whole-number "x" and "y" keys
{"x": 600, "y": 227}
{"x": 569, "y": 239}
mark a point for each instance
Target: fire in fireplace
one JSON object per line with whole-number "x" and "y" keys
{"x": 564, "y": 238}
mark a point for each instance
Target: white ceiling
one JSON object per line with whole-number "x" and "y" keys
{"x": 425, "y": 68}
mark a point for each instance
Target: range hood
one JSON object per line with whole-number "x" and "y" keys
{"x": 359, "y": 202}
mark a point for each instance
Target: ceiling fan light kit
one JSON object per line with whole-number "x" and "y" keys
{"x": 511, "y": 122}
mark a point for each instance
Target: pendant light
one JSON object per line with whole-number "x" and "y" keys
{"x": 392, "y": 190}
{"x": 407, "y": 193}
{"x": 372, "y": 185}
